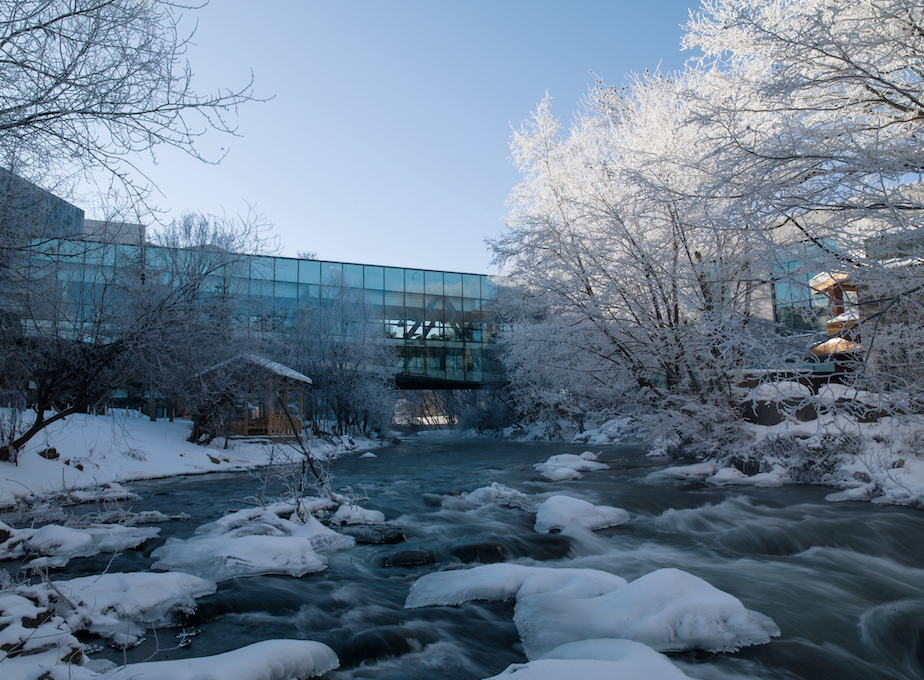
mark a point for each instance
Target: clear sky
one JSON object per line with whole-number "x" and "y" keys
{"x": 386, "y": 140}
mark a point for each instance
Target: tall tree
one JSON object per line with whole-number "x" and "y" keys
{"x": 88, "y": 84}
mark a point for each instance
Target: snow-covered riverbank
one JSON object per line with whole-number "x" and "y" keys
{"x": 89, "y": 452}
{"x": 880, "y": 461}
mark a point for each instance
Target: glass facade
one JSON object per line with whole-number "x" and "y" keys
{"x": 441, "y": 324}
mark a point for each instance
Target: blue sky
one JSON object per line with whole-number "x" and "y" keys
{"x": 386, "y": 138}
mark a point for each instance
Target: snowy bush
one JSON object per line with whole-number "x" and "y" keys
{"x": 809, "y": 460}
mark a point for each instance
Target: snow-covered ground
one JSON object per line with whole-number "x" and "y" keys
{"x": 99, "y": 452}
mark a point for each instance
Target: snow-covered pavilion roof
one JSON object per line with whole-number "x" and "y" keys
{"x": 272, "y": 366}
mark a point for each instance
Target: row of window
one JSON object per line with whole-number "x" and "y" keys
{"x": 93, "y": 256}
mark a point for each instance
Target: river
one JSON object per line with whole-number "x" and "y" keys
{"x": 843, "y": 581}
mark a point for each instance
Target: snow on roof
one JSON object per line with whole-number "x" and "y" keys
{"x": 271, "y": 366}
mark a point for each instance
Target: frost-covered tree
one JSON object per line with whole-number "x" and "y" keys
{"x": 334, "y": 340}
{"x": 89, "y": 84}
{"x": 676, "y": 234}
{"x": 628, "y": 287}
{"x": 820, "y": 106}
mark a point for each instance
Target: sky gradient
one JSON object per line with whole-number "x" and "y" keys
{"x": 386, "y": 138}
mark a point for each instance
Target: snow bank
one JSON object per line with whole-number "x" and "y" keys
{"x": 569, "y": 466}
{"x": 96, "y": 452}
{"x": 560, "y": 512}
{"x": 667, "y": 610}
{"x": 268, "y": 660}
{"x": 597, "y": 660}
{"x": 499, "y": 494}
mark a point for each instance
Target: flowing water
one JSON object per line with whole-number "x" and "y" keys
{"x": 843, "y": 581}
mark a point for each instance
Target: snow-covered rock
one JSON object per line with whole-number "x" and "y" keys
{"x": 560, "y": 512}
{"x": 252, "y": 541}
{"x": 119, "y": 606}
{"x": 499, "y": 494}
{"x": 55, "y": 545}
{"x": 733, "y": 476}
{"x": 597, "y": 660}
{"x": 267, "y": 660}
{"x": 507, "y": 581}
{"x": 353, "y": 514}
{"x": 569, "y": 466}
{"x": 685, "y": 472}
{"x": 667, "y": 610}
{"x": 607, "y": 433}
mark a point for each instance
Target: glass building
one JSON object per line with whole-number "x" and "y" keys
{"x": 442, "y": 324}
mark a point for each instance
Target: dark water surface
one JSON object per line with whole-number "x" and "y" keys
{"x": 844, "y": 581}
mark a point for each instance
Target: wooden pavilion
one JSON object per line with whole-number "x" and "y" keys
{"x": 256, "y": 395}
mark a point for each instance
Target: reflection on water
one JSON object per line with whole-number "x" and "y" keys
{"x": 843, "y": 581}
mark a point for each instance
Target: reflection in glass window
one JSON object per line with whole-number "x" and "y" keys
{"x": 471, "y": 285}
{"x": 416, "y": 365}
{"x": 308, "y": 292}
{"x": 488, "y": 288}
{"x": 353, "y": 275}
{"x": 434, "y": 283}
{"x": 262, "y": 268}
{"x": 373, "y": 277}
{"x": 331, "y": 271}
{"x": 286, "y": 269}
{"x": 413, "y": 280}
{"x": 452, "y": 284}
{"x": 309, "y": 271}
{"x": 394, "y": 279}
{"x": 375, "y": 300}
